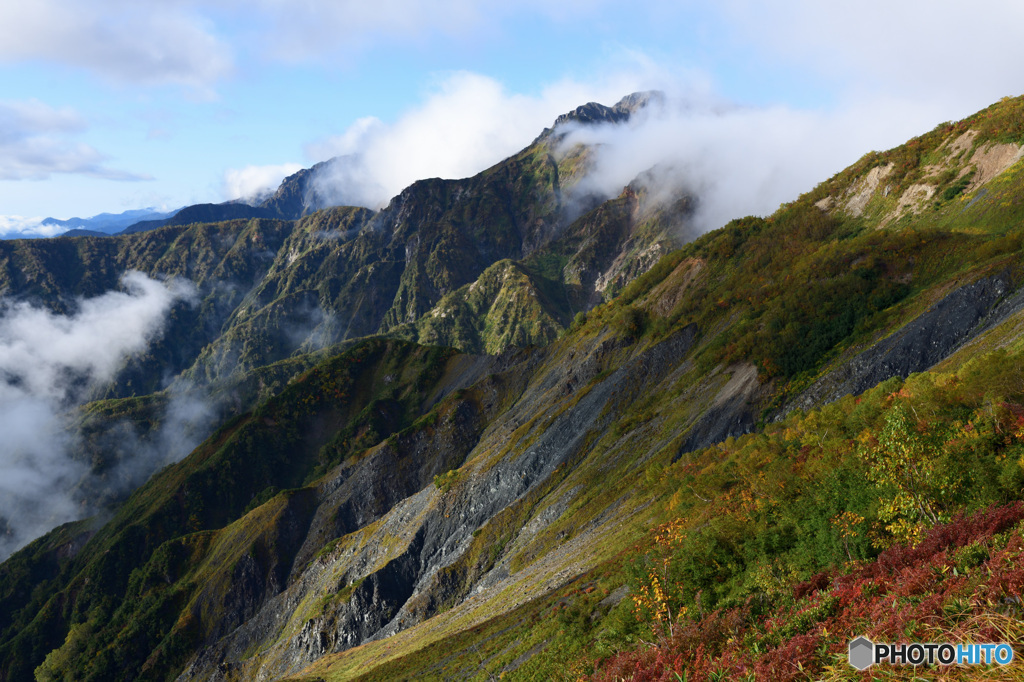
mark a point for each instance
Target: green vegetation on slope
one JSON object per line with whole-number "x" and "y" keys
{"x": 742, "y": 319}
{"x": 762, "y": 544}
{"x": 744, "y": 286}
{"x": 176, "y": 516}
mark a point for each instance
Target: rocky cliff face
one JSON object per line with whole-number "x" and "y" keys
{"x": 296, "y": 197}
{"x": 458, "y": 515}
{"x": 593, "y": 113}
{"x": 928, "y": 339}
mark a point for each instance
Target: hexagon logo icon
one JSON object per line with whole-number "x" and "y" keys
{"x": 862, "y": 653}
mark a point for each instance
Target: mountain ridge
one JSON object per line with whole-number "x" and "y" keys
{"x": 394, "y": 510}
{"x": 297, "y": 196}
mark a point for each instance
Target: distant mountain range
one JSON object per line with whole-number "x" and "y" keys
{"x": 107, "y": 223}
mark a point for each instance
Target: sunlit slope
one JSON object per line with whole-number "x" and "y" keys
{"x": 750, "y": 518}
{"x": 324, "y": 538}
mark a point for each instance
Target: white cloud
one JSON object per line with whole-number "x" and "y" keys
{"x": 318, "y": 29}
{"x": 469, "y": 123}
{"x": 143, "y": 43}
{"x": 41, "y": 348}
{"x": 16, "y": 226}
{"x": 857, "y": 45}
{"x": 194, "y": 44}
{"x": 47, "y": 363}
{"x": 941, "y": 51}
{"x": 740, "y": 161}
{"x": 24, "y": 118}
{"x": 36, "y": 141}
{"x": 254, "y": 183}
{"x": 352, "y": 141}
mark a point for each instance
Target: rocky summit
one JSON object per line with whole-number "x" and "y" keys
{"x": 505, "y": 428}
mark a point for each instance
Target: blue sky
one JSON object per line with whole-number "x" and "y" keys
{"x": 111, "y": 105}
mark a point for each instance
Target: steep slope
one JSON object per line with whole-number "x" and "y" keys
{"x": 275, "y": 448}
{"x": 404, "y": 510}
{"x": 308, "y": 191}
{"x": 274, "y": 295}
{"x": 745, "y": 257}
{"x": 770, "y": 509}
{"x": 534, "y": 301}
{"x": 297, "y": 197}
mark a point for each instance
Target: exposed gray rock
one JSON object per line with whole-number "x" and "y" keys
{"x": 615, "y": 597}
{"x": 382, "y": 591}
{"x": 593, "y": 113}
{"x": 406, "y": 572}
{"x": 921, "y": 343}
{"x": 733, "y": 412}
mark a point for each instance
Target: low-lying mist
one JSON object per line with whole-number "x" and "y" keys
{"x": 735, "y": 161}
{"x": 49, "y": 366}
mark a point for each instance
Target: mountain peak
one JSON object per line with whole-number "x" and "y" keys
{"x": 594, "y": 113}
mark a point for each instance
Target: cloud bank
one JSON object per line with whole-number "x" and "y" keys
{"x": 254, "y": 183}
{"x": 48, "y": 364}
{"x": 18, "y": 227}
{"x": 734, "y": 160}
